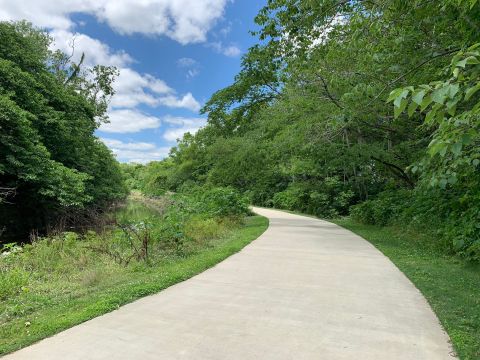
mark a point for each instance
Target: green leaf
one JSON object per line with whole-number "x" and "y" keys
{"x": 427, "y": 100}
{"x": 456, "y": 72}
{"x": 430, "y": 116}
{"x": 469, "y": 93}
{"x": 466, "y": 139}
{"x": 457, "y": 149}
{"x": 437, "y": 147}
{"x": 453, "y": 90}
{"x": 418, "y": 96}
{"x": 439, "y": 95}
{"x": 411, "y": 108}
{"x": 398, "y": 101}
{"x": 474, "y": 46}
{"x": 461, "y": 63}
{"x": 394, "y": 94}
{"x": 396, "y": 112}
{"x": 472, "y": 60}
{"x": 452, "y": 106}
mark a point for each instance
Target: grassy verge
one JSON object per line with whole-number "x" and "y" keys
{"x": 34, "y": 315}
{"x": 450, "y": 285}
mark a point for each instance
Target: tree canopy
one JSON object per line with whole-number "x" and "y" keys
{"x": 51, "y": 162}
{"x": 307, "y": 124}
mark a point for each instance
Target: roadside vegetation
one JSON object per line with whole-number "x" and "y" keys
{"x": 349, "y": 107}
{"x": 56, "y": 282}
{"x": 55, "y": 174}
{"x": 367, "y": 111}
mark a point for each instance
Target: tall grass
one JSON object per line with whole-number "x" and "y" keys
{"x": 59, "y": 281}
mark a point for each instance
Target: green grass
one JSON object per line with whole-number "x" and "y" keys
{"x": 54, "y": 305}
{"x": 450, "y": 285}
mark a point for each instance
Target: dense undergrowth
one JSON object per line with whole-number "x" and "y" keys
{"x": 56, "y": 282}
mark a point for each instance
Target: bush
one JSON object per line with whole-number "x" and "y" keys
{"x": 292, "y": 198}
{"x": 328, "y": 199}
{"x": 386, "y": 209}
{"x": 221, "y": 201}
{"x": 450, "y": 215}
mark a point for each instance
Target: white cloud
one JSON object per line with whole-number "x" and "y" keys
{"x": 129, "y": 121}
{"x": 186, "y": 21}
{"x": 186, "y": 62}
{"x": 192, "y": 73}
{"x": 229, "y": 50}
{"x": 191, "y": 66}
{"x": 95, "y": 51}
{"x": 132, "y": 89}
{"x": 226, "y": 29}
{"x": 117, "y": 144}
{"x": 183, "y": 125}
{"x": 137, "y": 152}
{"x": 187, "y": 102}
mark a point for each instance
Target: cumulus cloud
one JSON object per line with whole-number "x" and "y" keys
{"x": 187, "y": 102}
{"x": 95, "y": 51}
{"x": 227, "y": 50}
{"x": 137, "y": 152}
{"x": 139, "y": 146}
{"x": 132, "y": 89}
{"x": 181, "y": 126}
{"x": 129, "y": 121}
{"x": 186, "y": 21}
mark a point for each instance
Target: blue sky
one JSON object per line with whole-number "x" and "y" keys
{"x": 172, "y": 56}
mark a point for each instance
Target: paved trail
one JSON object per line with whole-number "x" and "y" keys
{"x": 306, "y": 289}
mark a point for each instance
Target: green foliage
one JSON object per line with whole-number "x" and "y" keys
{"x": 452, "y": 108}
{"x": 49, "y": 155}
{"x": 57, "y": 282}
{"x": 306, "y": 123}
{"x": 12, "y": 282}
{"x": 221, "y": 202}
{"x": 332, "y": 200}
{"x": 451, "y": 216}
{"x": 384, "y": 210}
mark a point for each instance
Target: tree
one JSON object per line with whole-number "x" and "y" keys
{"x": 49, "y": 110}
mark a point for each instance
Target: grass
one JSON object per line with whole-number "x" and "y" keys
{"x": 60, "y": 300}
{"x": 450, "y": 285}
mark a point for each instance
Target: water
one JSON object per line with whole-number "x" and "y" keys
{"x": 135, "y": 211}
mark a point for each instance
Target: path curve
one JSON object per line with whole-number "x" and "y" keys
{"x": 305, "y": 289}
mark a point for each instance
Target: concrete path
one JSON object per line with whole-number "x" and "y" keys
{"x": 306, "y": 289}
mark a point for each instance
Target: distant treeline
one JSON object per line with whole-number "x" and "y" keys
{"x": 53, "y": 170}
{"x": 368, "y": 108}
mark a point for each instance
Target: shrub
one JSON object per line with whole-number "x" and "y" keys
{"x": 328, "y": 199}
{"x": 291, "y": 198}
{"x": 386, "y": 209}
{"x": 451, "y": 215}
{"x": 222, "y": 201}
{"x": 201, "y": 230}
